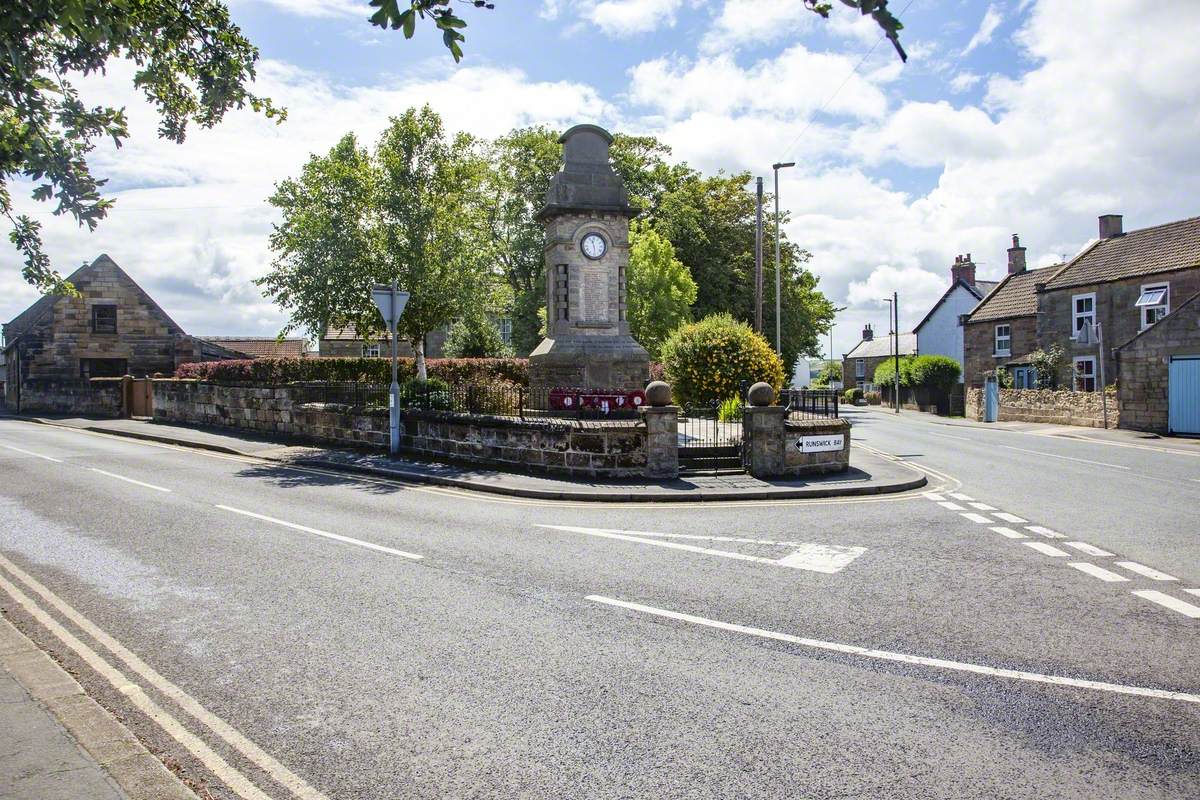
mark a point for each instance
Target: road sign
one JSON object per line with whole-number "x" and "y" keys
{"x": 390, "y": 303}
{"x": 821, "y": 444}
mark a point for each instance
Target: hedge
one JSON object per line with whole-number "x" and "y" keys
{"x": 711, "y": 360}
{"x": 930, "y": 371}
{"x": 276, "y": 371}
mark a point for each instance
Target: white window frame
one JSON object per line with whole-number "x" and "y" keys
{"x": 997, "y": 338}
{"x": 1165, "y": 305}
{"x": 1077, "y": 315}
{"x": 1078, "y": 379}
{"x": 860, "y": 368}
{"x": 371, "y": 350}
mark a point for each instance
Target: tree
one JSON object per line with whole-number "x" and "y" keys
{"x": 660, "y": 289}
{"x": 193, "y": 65}
{"x": 475, "y": 337}
{"x": 831, "y": 371}
{"x": 409, "y": 212}
{"x": 443, "y": 16}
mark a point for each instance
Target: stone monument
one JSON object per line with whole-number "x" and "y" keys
{"x": 587, "y": 215}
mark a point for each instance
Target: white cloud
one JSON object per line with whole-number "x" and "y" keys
{"x": 987, "y": 26}
{"x": 550, "y": 9}
{"x": 756, "y": 22}
{"x": 964, "y": 81}
{"x": 632, "y": 17}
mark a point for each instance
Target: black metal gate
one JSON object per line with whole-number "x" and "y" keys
{"x": 709, "y": 443}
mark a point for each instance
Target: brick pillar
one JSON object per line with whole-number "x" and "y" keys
{"x": 764, "y": 427}
{"x": 662, "y": 441}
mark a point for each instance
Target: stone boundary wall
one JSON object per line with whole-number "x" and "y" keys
{"x": 563, "y": 447}
{"x": 1055, "y": 406}
{"x": 773, "y": 439}
{"x": 97, "y": 397}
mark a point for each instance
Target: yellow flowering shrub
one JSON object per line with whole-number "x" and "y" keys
{"x": 707, "y": 362}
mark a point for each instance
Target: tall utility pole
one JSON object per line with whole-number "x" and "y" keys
{"x": 758, "y": 273}
{"x": 778, "y": 317}
{"x": 896, "y": 363}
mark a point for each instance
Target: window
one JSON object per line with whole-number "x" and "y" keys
{"x": 102, "y": 367}
{"x": 1003, "y": 340}
{"x": 1085, "y": 374}
{"x": 506, "y": 330}
{"x": 371, "y": 350}
{"x": 860, "y": 368}
{"x": 1024, "y": 378}
{"x": 1083, "y": 312}
{"x": 104, "y": 319}
{"x": 1154, "y": 303}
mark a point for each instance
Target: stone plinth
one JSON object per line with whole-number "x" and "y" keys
{"x": 776, "y": 444}
{"x": 662, "y": 441}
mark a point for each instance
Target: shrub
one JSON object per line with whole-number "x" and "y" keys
{"x": 850, "y": 395}
{"x": 730, "y": 410}
{"x": 873, "y": 398}
{"x": 709, "y": 361}
{"x": 432, "y": 394}
{"x": 275, "y": 371}
{"x": 476, "y": 337}
{"x": 933, "y": 372}
{"x": 886, "y": 371}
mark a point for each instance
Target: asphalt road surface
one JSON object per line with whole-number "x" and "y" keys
{"x": 1021, "y": 628}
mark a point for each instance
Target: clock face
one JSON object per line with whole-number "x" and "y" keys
{"x": 593, "y": 245}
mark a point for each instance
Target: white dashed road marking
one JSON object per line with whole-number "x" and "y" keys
{"x": 982, "y": 506}
{"x": 951, "y": 506}
{"x": 1049, "y": 534}
{"x": 980, "y": 518}
{"x": 934, "y": 496}
{"x": 1193, "y": 591}
{"x": 1004, "y": 515}
{"x": 1165, "y": 600}
{"x": 1091, "y": 550}
{"x": 1098, "y": 572}
{"x": 324, "y": 534}
{"x": 31, "y": 453}
{"x": 885, "y": 655}
{"x": 1047, "y": 549}
{"x": 1149, "y": 572}
{"x": 129, "y": 480}
{"x": 961, "y": 496}
{"x": 1010, "y": 533}
{"x": 1064, "y": 458}
{"x": 825, "y": 558}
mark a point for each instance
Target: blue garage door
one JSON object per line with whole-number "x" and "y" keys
{"x": 1183, "y": 390}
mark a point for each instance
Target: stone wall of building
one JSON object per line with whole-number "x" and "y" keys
{"x": 564, "y": 447}
{"x": 1144, "y": 368}
{"x": 979, "y": 346}
{"x": 98, "y": 397}
{"x": 1056, "y": 406}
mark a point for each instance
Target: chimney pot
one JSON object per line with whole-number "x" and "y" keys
{"x": 1016, "y": 257}
{"x": 963, "y": 270}
{"x": 1110, "y": 226}
{"x": 868, "y": 334}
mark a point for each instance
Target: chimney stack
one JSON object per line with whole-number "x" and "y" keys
{"x": 963, "y": 269}
{"x": 1110, "y": 226}
{"x": 868, "y": 334}
{"x": 1016, "y": 257}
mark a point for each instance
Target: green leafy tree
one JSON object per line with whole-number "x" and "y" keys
{"x": 193, "y": 65}
{"x": 475, "y": 336}
{"x": 660, "y": 288}
{"x": 410, "y": 212}
{"x": 830, "y": 372}
{"x": 886, "y": 371}
{"x": 442, "y": 14}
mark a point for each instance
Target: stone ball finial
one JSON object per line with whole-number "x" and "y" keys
{"x": 658, "y": 394}
{"x": 761, "y": 394}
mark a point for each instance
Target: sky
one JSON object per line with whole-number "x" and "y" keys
{"x": 1018, "y": 116}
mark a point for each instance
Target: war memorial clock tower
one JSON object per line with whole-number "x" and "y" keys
{"x": 587, "y": 213}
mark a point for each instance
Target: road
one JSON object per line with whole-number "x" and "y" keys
{"x": 1020, "y": 628}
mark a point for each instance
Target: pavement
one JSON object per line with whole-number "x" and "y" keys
{"x": 869, "y": 473}
{"x": 1024, "y": 626}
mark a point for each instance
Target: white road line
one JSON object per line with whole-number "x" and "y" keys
{"x": 1047, "y": 549}
{"x": 1004, "y": 515}
{"x": 951, "y": 506}
{"x": 704, "y": 537}
{"x": 934, "y": 496}
{"x": 980, "y": 518}
{"x": 948, "y": 436}
{"x": 961, "y": 496}
{"x": 1090, "y": 549}
{"x": 325, "y": 534}
{"x": 1193, "y": 591}
{"x": 1098, "y": 572}
{"x": 1149, "y": 572}
{"x": 904, "y": 658}
{"x": 982, "y": 506}
{"x": 239, "y": 742}
{"x": 235, "y": 780}
{"x": 612, "y": 534}
{"x": 826, "y": 558}
{"x": 31, "y": 453}
{"x": 1010, "y": 533}
{"x": 1187, "y": 609}
{"x": 1049, "y": 534}
{"x": 129, "y": 480}
{"x": 1064, "y": 458}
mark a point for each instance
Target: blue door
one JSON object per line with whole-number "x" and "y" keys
{"x": 991, "y": 400}
{"x": 1183, "y": 390}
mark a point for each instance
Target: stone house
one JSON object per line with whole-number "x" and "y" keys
{"x": 1159, "y": 369}
{"x": 858, "y": 366}
{"x": 1126, "y": 282}
{"x": 941, "y": 330}
{"x": 345, "y": 343}
{"x": 263, "y": 346}
{"x": 113, "y": 328}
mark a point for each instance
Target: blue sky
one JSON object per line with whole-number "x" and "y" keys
{"x": 1013, "y": 116}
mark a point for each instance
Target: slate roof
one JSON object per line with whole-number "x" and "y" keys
{"x": 1162, "y": 248}
{"x": 1013, "y": 297}
{"x": 979, "y": 289}
{"x": 261, "y": 346}
{"x": 882, "y": 346}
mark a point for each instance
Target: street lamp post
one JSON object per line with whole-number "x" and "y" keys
{"x": 758, "y": 276}
{"x": 894, "y": 322}
{"x": 778, "y": 334}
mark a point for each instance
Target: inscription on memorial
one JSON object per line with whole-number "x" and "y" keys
{"x": 593, "y": 292}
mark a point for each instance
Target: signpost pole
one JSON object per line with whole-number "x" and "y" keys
{"x": 394, "y": 397}
{"x": 1103, "y": 393}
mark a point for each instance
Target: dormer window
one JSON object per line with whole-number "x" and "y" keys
{"x": 104, "y": 319}
{"x": 1153, "y": 304}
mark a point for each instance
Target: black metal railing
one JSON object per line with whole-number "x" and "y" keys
{"x": 810, "y": 403}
